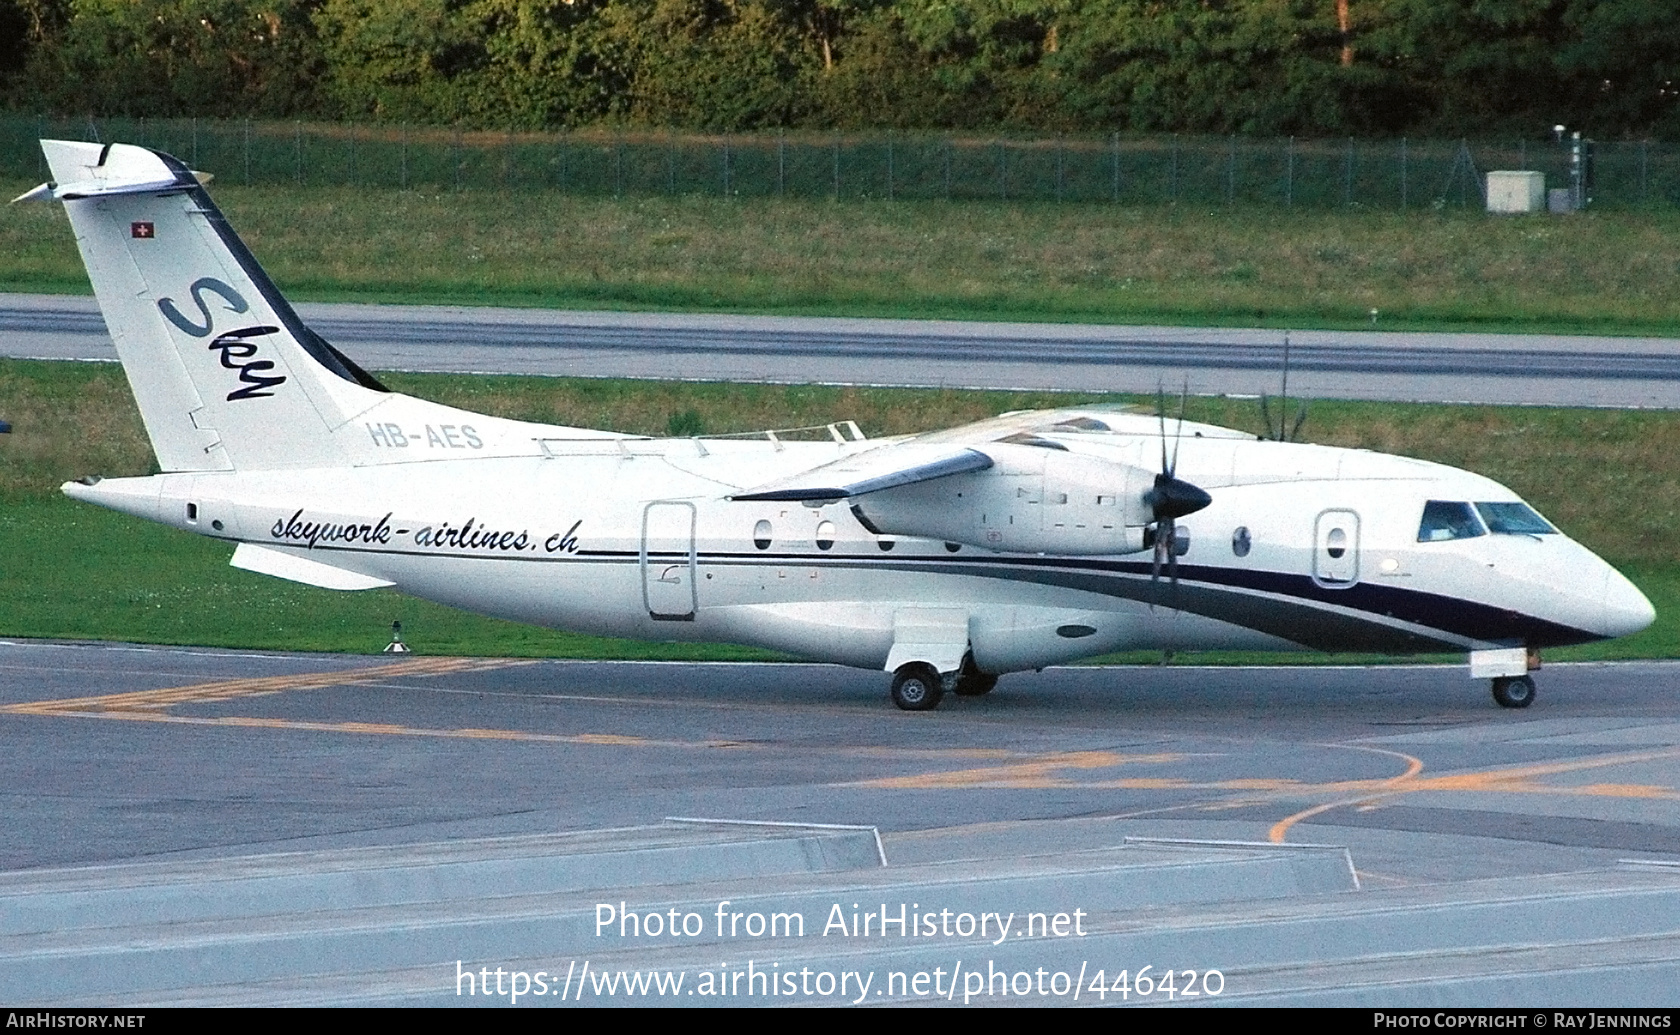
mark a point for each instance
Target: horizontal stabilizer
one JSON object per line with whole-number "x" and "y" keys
{"x": 886, "y": 467}
{"x": 293, "y": 568}
{"x": 133, "y": 171}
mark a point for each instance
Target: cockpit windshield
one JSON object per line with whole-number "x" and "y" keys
{"x": 1513, "y": 519}
{"x": 1451, "y": 519}
{"x": 1448, "y": 519}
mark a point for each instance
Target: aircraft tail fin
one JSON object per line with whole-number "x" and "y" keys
{"x": 225, "y": 373}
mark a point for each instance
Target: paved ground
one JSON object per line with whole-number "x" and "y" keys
{"x": 118, "y": 753}
{"x": 1490, "y": 368}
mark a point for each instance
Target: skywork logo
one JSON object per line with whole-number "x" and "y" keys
{"x": 234, "y": 349}
{"x": 237, "y": 353}
{"x": 235, "y": 303}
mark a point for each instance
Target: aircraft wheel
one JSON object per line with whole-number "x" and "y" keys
{"x": 916, "y": 688}
{"x": 1514, "y": 691}
{"x": 975, "y": 684}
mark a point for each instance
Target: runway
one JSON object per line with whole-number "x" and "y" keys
{"x": 1432, "y": 367}
{"x": 1520, "y": 858}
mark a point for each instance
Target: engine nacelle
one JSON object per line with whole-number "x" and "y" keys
{"x": 1032, "y": 500}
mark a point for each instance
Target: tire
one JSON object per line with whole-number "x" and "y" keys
{"x": 975, "y": 684}
{"x": 1514, "y": 691}
{"x": 916, "y": 688}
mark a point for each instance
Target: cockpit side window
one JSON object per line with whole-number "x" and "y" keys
{"x": 1448, "y": 519}
{"x": 1514, "y": 519}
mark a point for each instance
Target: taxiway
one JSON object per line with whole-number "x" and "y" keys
{"x": 213, "y": 827}
{"x": 1552, "y": 370}
{"x": 121, "y": 752}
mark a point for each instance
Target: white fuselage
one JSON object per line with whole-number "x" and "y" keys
{"x": 640, "y": 538}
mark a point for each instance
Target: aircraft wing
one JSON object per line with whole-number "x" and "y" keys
{"x": 884, "y": 467}
{"x": 937, "y": 454}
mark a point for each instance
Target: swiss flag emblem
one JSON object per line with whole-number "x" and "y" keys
{"x": 141, "y": 231}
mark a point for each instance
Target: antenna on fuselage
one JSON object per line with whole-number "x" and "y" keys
{"x": 1283, "y": 431}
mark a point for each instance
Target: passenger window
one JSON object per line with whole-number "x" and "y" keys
{"x": 761, "y": 535}
{"x": 1513, "y": 519}
{"x": 1443, "y": 520}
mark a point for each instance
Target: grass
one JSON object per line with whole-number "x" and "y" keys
{"x": 78, "y": 572}
{"x": 69, "y": 570}
{"x": 1607, "y": 272}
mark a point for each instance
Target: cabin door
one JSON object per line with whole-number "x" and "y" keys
{"x": 668, "y": 561}
{"x": 1336, "y": 549}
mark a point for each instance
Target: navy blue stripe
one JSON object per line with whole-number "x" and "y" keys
{"x": 1303, "y": 616}
{"x": 1435, "y": 611}
{"x": 1450, "y": 615}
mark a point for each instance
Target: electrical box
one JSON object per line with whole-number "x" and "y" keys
{"x": 1516, "y": 192}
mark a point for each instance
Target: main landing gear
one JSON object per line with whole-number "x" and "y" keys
{"x": 916, "y": 687}
{"x": 1514, "y": 691}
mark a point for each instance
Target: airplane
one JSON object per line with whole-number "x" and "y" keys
{"x": 944, "y": 559}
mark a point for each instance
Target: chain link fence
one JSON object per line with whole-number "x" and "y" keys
{"x": 1117, "y": 169}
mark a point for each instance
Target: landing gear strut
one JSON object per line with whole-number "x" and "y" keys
{"x": 1514, "y": 691}
{"x": 916, "y": 687}
{"x": 971, "y": 682}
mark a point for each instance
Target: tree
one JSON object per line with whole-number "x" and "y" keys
{"x": 180, "y": 57}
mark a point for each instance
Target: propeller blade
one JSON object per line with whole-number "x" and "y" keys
{"x": 1179, "y": 433}
{"x": 1172, "y": 567}
{"x": 1161, "y": 418}
{"x": 1163, "y": 549}
{"x": 1169, "y": 499}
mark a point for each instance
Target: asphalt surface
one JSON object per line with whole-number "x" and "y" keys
{"x": 126, "y": 753}
{"x": 1489, "y": 368}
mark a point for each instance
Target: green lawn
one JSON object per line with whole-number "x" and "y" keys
{"x": 69, "y": 570}
{"x": 74, "y": 571}
{"x": 1608, "y": 272}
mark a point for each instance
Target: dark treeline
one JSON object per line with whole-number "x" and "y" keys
{"x": 1446, "y": 67}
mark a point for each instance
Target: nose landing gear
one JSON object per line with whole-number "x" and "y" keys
{"x": 1514, "y": 691}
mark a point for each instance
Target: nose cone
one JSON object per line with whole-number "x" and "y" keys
{"x": 1626, "y": 611}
